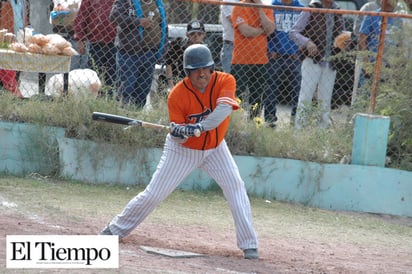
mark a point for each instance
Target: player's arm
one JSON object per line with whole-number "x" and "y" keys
{"x": 225, "y": 103}
{"x": 213, "y": 120}
{"x": 218, "y": 115}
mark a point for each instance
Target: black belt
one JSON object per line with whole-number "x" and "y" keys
{"x": 227, "y": 42}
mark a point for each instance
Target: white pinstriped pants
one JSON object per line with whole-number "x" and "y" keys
{"x": 176, "y": 163}
{"x": 320, "y": 77}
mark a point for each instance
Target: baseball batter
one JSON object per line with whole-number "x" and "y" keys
{"x": 202, "y": 101}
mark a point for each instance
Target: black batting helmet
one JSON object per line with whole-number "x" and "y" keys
{"x": 197, "y": 56}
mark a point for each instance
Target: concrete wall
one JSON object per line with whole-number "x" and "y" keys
{"x": 327, "y": 186}
{"x": 23, "y": 148}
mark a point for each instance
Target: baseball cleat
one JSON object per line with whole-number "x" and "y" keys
{"x": 106, "y": 231}
{"x": 251, "y": 253}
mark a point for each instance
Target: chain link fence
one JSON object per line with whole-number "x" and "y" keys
{"x": 281, "y": 78}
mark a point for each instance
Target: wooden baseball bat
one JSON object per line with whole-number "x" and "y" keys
{"x": 117, "y": 119}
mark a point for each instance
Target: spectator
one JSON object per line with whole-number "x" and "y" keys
{"x": 227, "y": 35}
{"x": 77, "y": 61}
{"x": 249, "y": 64}
{"x": 195, "y": 34}
{"x": 315, "y": 33}
{"x": 9, "y": 82}
{"x": 93, "y": 29}
{"x": 202, "y": 101}
{"x": 284, "y": 62}
{"x": 369, "y": 6}
{"x": 369, "y": 32}
{"x": 10, "y": 9}
{"x": 140, "y": 40}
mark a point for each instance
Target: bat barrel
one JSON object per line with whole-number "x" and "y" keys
{"x": 116, "y": 119}
{"x": 122, "y": 120}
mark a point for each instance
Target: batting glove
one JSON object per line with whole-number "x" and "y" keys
{"x": 177, "y": 130}
{"x": 191, "y": 129}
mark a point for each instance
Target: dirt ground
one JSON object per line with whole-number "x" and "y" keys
{"x": 287, "y": 255}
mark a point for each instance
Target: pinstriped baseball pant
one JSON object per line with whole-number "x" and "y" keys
{"x": 176, "y": 163}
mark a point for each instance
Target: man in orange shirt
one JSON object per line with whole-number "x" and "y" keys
{"x": 203, "y": 102}
{"x": 249, "y": 62}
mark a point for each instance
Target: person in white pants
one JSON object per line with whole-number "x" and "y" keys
{"x": 315, "y": 33}
{"x": 315, "y": 76}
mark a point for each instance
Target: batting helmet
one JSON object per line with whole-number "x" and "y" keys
{"x": 197, "y": 56}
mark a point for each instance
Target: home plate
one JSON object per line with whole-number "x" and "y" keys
{"x": 170, "y": 252}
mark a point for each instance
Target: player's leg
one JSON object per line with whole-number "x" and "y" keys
{"x": 219, "y": 164}
{"x": 175, "y": 164}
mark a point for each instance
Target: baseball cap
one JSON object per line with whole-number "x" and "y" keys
{"x": 195, "y": 26}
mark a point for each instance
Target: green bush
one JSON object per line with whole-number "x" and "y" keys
{"x": 244, "y": 137}
{"x": 395, "y": 100}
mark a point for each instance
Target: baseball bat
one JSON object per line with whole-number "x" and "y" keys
{"x": 117, "y": 119}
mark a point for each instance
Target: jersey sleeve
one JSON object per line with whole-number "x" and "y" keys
{"x": 227, "y": 91}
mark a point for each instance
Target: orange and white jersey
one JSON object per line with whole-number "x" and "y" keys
{"x": 187, "y": 105}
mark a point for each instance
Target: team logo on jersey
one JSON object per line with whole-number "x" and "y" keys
{"x": 199, "y": 117}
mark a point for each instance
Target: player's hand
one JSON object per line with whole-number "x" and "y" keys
{"x": 193, "y": 130}
{"x": 189, "y": 130}
{"x": 177, "y": 130}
